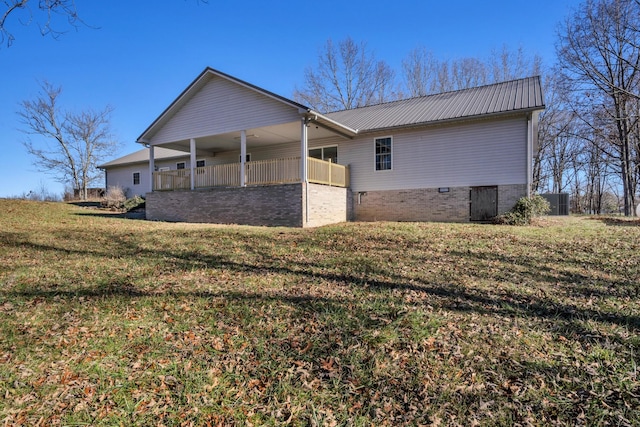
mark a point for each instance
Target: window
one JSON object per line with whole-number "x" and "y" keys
{"x": 247, "y": 159}
{"x": 199, "y": 164}
{"x": 325, "y": 153}
{"x": 136, "y": 178}
{"x": 181, "y": 165}
{"x": 383, "y": 153}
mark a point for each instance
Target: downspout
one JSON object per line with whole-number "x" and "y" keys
{"x": 152, "y": 168}
{"x": 304, "y": 151}
{"x": 243, "y": 158}
{"x": 529, "y": 153}
{"x": 192, "y": 163}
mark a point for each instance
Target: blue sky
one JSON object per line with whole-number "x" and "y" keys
{"x": 138, "y": 56}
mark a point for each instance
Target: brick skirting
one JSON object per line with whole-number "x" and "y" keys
{"x": 268, "y": 205}
{"x": 284, "y": 205}
{"x": 426, "y": 204}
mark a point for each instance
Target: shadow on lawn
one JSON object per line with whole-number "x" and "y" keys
{"x": 336, "y": 321}
{"x": 617, "y": 221}
{"x": 448, "y": 296}
{"x": 109, "y": 214}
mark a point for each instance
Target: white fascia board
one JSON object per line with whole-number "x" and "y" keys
{"x": 331, "y": 124}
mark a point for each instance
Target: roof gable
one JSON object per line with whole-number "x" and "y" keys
{"x": 208, "y": 104}
{"x": 521, "y": 95}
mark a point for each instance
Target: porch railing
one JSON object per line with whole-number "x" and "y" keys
{"x": 323, "y": 172}
{"x": 273, "y": 171}
{"x": 260, "y": 172}
{"x": 218, "y": 176}
{"x": 172, "y": 180}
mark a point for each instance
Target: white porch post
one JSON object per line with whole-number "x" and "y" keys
{"x": 152, "y": 168}
{"x": 192, "y": 151}
{"x": 304, "y": 152}
{"x": 243, "y": 157}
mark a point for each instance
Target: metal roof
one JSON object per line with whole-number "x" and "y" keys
{"x": 520, "y": 95}
{"x": 142, "y": 156}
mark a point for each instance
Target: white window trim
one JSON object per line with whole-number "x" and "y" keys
{"x": 164, "y": 169}
{"x": 133, "y": 179}
{"x": 201, "y": 160}
{"x": 375, "y": 155}
{"x": 240, "y": 157}
{"x": 185, "y": 165}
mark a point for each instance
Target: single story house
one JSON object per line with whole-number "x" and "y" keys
{"x": 227, "y": 151}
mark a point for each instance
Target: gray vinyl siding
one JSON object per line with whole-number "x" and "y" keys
{"x": 279, "y": 151}
{"x": 487, "y": 152}
{"x": 220, "y": 107}
{"x": 122, "y": 176}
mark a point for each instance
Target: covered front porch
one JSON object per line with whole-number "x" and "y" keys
{"x": 247, "y": 158}
{"x": 259, "y": 172}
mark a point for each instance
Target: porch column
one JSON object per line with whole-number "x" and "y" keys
{"x": 192, "y": 151}
{"x": 243, "y": 157}
{"x": 152, "y": 168}
{"x": 304, "y": 151}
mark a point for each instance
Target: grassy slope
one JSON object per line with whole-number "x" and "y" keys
{"x": 107, "y": 321}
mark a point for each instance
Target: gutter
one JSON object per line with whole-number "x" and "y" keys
{"x": 330, "y": 124}
{"x": 514, "y": 113}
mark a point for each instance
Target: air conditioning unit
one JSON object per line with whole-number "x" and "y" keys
{"x": 559, "y": 203}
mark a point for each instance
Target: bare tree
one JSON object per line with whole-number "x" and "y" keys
{"x": 599, "y": 54}
{"x": 467, "y": 73}
{"x": 419, "y": 69}
{"x": 506, "y": 64}
{"x": 45, "y": 13}
{"x": 53, "y": 17}
{"x": 424, "y": 74}
{"x": 74, "y": 143}
{"x": 559, "y": 138}
{"x": 347, "y": 75}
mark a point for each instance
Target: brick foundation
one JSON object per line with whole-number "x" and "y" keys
{"x": 426, "y": 204}
{"x": 327, "y": 205}
{"x": 284, "y": 205}
{"x": 273, "y": 205}
{"x": 508, "y": 195}
{"x": 269, "y": 205}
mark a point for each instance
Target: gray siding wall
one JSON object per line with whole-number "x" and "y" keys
{"x": 122, "y": 176}
{"x": 489, "y": 152}
{"x": 220, "y": 107}
{"x": 279, "y": 151}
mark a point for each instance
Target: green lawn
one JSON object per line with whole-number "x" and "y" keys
{"x": 110, "y": 321}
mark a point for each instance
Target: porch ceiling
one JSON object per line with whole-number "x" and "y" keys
{"x": 258, "y": 137}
